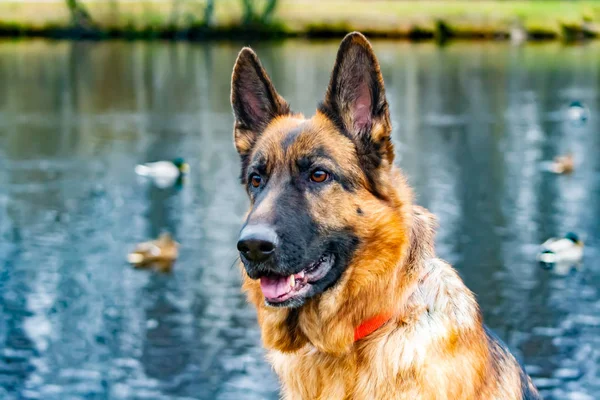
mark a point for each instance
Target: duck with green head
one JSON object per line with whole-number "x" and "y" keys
{"x": 164, "y": 173}
{"x": 563, "y": 253}
{"x": 577, "y": 113}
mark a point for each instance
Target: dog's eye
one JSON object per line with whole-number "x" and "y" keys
{"x": 319, "y": 176}
{"x": 255, "y": 180}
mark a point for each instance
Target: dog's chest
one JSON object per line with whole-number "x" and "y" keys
{"x": 396, "y": 363}
{"x": 308, "y": 374}
{"x": 381, "y": 371}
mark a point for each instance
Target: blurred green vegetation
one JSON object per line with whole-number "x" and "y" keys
{"x": 203, "y": 19}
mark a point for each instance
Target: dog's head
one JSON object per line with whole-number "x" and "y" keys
{"x": 321, "y": 189}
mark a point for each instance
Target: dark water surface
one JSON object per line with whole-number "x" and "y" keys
{"x": 473, "y": 122}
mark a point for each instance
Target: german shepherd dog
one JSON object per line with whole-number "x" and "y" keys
{"x": 352, "y": 301}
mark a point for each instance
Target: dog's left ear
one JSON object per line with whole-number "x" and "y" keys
{"x": 355, "y": 101}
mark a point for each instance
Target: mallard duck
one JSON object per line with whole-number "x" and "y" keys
{"x": 563, "y": 164}
{"x": 561, "y": 253}
{"x": 577, "y": 113}
{"x": 164, "y": 173}
{"x": 160, "y": 253}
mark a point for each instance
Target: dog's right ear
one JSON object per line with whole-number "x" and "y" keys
{"x": 254, "y": 100}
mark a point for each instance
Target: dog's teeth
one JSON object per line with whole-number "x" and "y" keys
{"x": 301, "y": 274}
{"x": 292, "y": 281}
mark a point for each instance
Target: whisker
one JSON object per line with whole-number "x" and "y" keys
{"x": 235, "y": 262}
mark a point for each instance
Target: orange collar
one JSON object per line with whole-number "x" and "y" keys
{"x": 371, "y": 325}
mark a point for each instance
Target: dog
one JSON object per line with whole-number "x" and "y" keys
{"x": 351, "y": 300}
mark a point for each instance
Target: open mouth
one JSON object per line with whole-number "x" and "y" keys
{"x": 278, "y": 289}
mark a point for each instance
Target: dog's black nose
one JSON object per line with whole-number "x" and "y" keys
{"x": 257, "y": 242}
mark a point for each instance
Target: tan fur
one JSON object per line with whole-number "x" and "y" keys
{"x": 435, "y": 346}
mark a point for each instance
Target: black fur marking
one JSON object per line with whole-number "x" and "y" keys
{"x": 291, "y": 138}
{"x": 308, "y": 161}
{"x": 312, "y": 160}
{"x": 348, "y": 184}
{"x": 245, "y": 160}
{"x": 526, "y": 391}
{"x": 295, "y": 227}
{"x": 301, "y": 241}
{"x": 343, "y": 245}
{"x": 292, "y": 320}
{"x": 499, "y": 351}
{"x": 259, "y": 164}
{"x": 289, "y": 215}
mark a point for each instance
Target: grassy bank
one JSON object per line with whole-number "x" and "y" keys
{"x": 540, "y": 19}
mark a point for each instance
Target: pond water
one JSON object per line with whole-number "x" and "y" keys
{"x": 473, "y": 125}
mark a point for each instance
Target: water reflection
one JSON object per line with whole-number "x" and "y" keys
{"x": 473, "y": 123}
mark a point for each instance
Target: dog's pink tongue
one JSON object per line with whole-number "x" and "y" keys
{"x": 274, "y": 287}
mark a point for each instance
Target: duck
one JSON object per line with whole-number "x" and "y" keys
{"x": 164, "y": 173}
{"x": 160, "y": 253}
{"x": 563, "y": 164}
{"x": 577, "y": 113}
{"x": 561, "y": 254}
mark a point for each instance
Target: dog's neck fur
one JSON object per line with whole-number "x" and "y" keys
{"x": 328, "y": 322}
